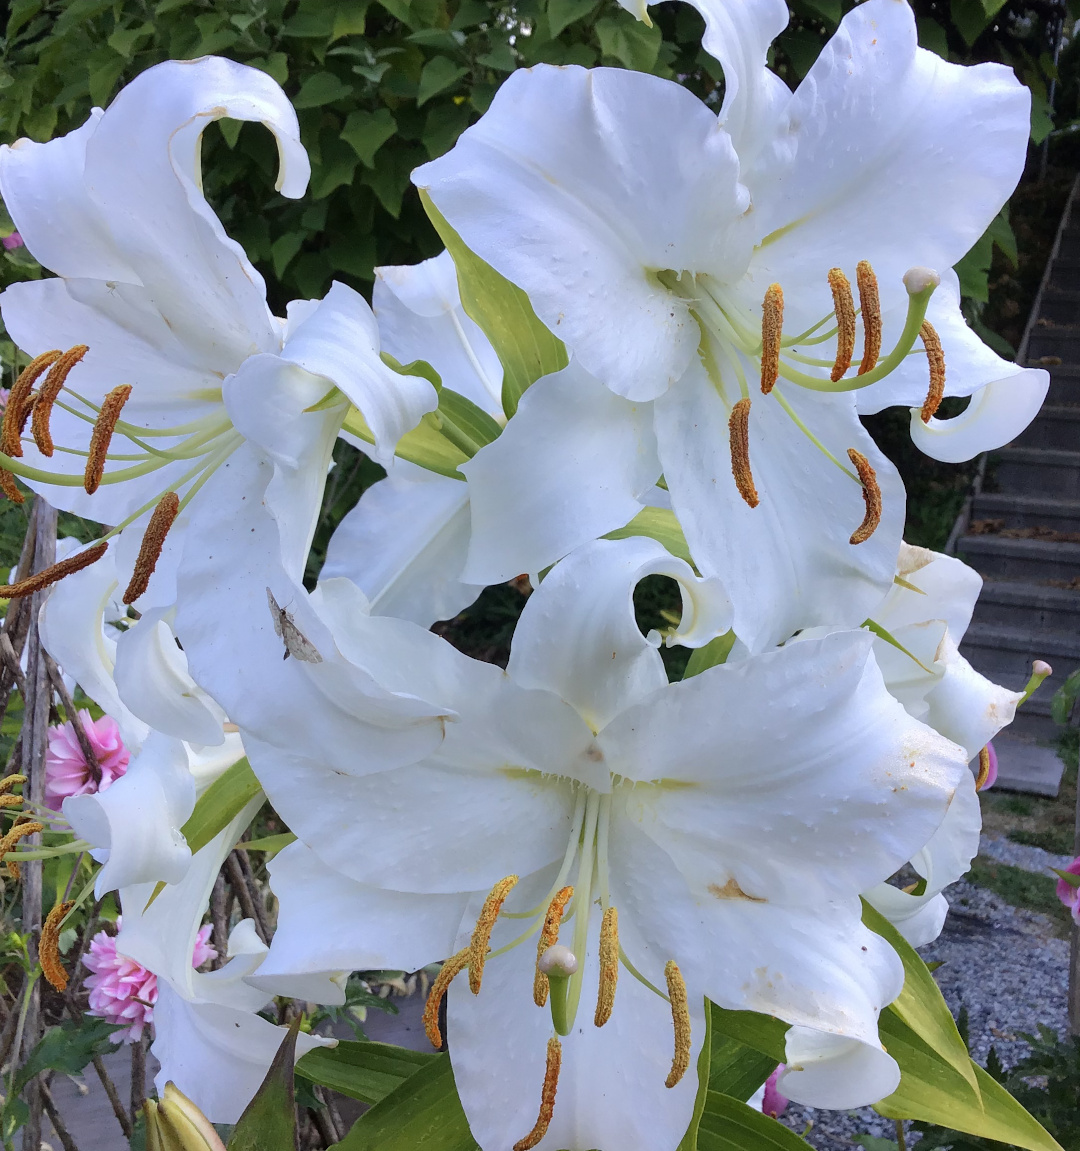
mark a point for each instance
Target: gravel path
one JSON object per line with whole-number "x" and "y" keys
{"x": 1020, "y": 855}
{"x": 1002, "y": 963}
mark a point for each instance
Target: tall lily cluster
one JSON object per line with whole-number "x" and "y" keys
{"x": 685, "y": 312}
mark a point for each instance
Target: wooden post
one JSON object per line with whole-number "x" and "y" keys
{"x": 1074, "y": 956}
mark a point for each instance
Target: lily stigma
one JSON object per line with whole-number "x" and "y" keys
{"x": 559, "y": 975}
{"x": 727, "y": 340}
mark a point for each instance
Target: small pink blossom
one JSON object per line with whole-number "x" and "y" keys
{"x": 774, "y": 1103}
{"x": 12, "y": 241}
{"x": 1068, "y": 894}
{"x": 66, "y": 771}
{"x": 124, "y": 992}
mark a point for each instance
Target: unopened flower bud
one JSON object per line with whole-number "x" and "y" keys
{"x": 1041, "y": 668}
{"x": 558, "y": 960}
{"x": 918, "y": 280}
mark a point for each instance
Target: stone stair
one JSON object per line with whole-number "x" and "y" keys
{"x": 1021, "y": 528}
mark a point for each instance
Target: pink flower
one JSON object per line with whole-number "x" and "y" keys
{"x": 12, "y": 241}
{"x": 774, "y": 1103}
{"x": 992, "y": 772}
{"x": 1068, "y": 894}
{"x": 66, "y": 771}
{"x": 124, "y": 992}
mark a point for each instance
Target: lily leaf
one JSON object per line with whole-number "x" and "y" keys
{"x": 714, "y": 653}
{"x": 269, "y": 1120}
{"x": 735, "y": 1069}
{"x": 526, "y": 348}
{"x": 690, "y": 1139}
{"x": 425, "y": 445}
{"x": 364, "y": 1071}
{"x": 762, "y": 1033}
{"x": 889, "y": 638}
{"x": 222, "y": 801}
{"x": 659, "y": 524}
{"x": 1071, "y": 879}
{"x": 729, "y": 1124}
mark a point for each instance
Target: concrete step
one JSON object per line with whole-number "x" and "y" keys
{"x": 1029, "y": 606}
{"x": 1064, "y": 383}
{"x": 1063, "y": 342}
{"x": 1056, "y": 426}
{"x": 1065, "y": 272}
{"x": 1061, "y": 305}
{"x": 998, "y": 557}
{"x": 1009, "y": 510}
{"x": 1042, "y": 471}
{"x": 1005, "y": 655}
{"x": 1026, "y": 766}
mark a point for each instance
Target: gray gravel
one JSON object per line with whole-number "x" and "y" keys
{"x": 1004, "y": 964}
{"x": 1020, "y": 855}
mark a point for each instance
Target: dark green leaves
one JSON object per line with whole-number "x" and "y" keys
{"x": 269, "y": 1121}
{"x": 362, "y": 1070}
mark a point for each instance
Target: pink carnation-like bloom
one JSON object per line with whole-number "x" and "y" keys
{"x": 774, "y": 1103}
{"x": 123, "y": 991}
{"x": 1068, "y": 894}
{"x": 66, "y": 771}
{"x": 12, "y": 241}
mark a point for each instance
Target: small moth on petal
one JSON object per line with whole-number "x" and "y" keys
{"x": 296, "y": 643}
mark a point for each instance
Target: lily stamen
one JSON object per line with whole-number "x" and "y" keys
{"x": 549, "y": 936}
{"x": 49, "y": 948}
{"x": 871, "y": 497}
{"x": 984, "y": 769}
{"x": 19, "y": 402}
{"x": 609, "y": 965}
{"x": 481, "y": 937}
{"x": 449, "y": 972}
{"x": 772, "y": 322}
{"x": 104, "y": 427}
{"x": 47, "y": 394}
{"x": 56, "y": 572}
{"x": 844, "y": 307}
{"x": 10, "y": 488}
{"x": 153, "y": 541}
{"x": 680, "y": 1018}
{"x": 935, "y": 358}
{"x": 870, "y": 307}
{"x": 739, "y": 435}
{"x": 22, "y": 827}
{"x": 547, "y": 1097}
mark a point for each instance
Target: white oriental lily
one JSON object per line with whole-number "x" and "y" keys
{"x": 165, "y": 305}
{"x": 682, "y": 266}
{"x": 207, "y": 1036}
{"x": 731, "y": 819}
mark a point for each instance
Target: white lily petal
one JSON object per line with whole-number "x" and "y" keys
{"x": 421, "y": 318}
{"x": 965, "y": 706}
{"x": 404, "y": 544}
{"x": 561, "y": 173}
{"x": 137, "y": 820}
{"x": 328, "y": 923}
{"x": 578, "y": 638}
{"x": 949, "y": 590}
{"x": 830, "y": 1071}
{"x": 912, "y": 673}
{"x": 574, "y": 463}
{"x": 918, "y": 918}
{"x": 339, "y": 340}
{"x": 153, "y": 680}
{"x": 208, "y": 763}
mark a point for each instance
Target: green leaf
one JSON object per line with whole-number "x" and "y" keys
{"x": 366, "y": 132}
{"x": 735, "y": 1069}
{"x": 439, "y": 73}
{"x": 319, "y": 89}
{"x": 269, "y": 1120}
{"x": 715, "y": 652}
{"x": 920, "y": 1005}
{"x": 628, "y": 40}
{"x": 425, "y": 445}
{"x": 933, "y": 37}
{"x": 1042, "y": 117}
{"x": 889, "y": 638}
{"x": 1071, "y": 879}
{"x": 283, "y": 249}
{"x": 730, "y": 1125}
{"x": 67, "y": 1048}
{"x": 423, "y": 1112}
{"x": 472, "y": 423}
{"x": 268, "y": 843}
{"x": 220, "y": 803}
{"x": 526, "y": 349}
{"x": 763, "y": 1033}
{"x": 704, "y": 1063}
{"x": 361, "y": 1070}
{"x": 658, "y": 524}
{"x": 969, "y": 18}
{"x": 563, "y": 13}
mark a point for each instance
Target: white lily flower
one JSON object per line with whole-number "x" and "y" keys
{"x": 681, "y": 272}
{"x": 929, "y": 617}
{"x": 706, "y": 812}
{"x": 207, "y": 1036}
{"x": 161, "y": 301}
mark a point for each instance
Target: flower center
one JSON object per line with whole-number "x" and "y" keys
{"x": 729, "y": 346}
{"x": 559, "y": 971}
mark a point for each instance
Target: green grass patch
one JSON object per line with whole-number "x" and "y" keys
{"x": 1058, "y": 839}
{"x": 1021, "y": 889}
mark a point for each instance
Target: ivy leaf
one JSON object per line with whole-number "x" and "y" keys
{"x": 439, "y": 73}
{"x": 633, "y": 44}
{"x": 366, "y": 132}
{"x": 563, "y": 13}
{"x": 320, "y": 89}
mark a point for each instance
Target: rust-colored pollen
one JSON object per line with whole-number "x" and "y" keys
{"x": 547, "y": 1097}
{"x": 680, "y": 1018}
{"x": 47, "y": 394}
{"x": 984, "y": 769}
{"x": 844, "y": 306}
{"x": 49, "y": 949}
{"x": 489, "y": 913}
{"x": 10, "y": 488}
{"x": 450, "y": 969}
{"x": 19, "y": 402}
{"x": 935, "y": 357}
{"x": 772, "y": 323}
{"x": 871, "y": 497}
{"x": 51, "y": 575}
{"x": 739, "y": 435}
{"x": 22, "y": 827}
{"x": 609, "y": 965}
{"x": 153, "y": 541}
{"x": 104, "y": 427}
{"x": 549, "y": 936}
{"x": 870, "y": 306}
